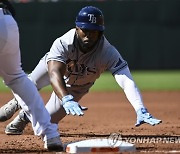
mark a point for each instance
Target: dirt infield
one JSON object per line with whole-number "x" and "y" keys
{"x": 108, "y": 113}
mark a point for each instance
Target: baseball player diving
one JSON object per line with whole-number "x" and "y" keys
{"x": 72, "y": 65}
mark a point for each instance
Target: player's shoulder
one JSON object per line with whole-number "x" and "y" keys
{"x": 108, "y": 52}
{"x": 68, "y": 37}
{"x": 108, "y": 47}
{"x": 65, "y": 40}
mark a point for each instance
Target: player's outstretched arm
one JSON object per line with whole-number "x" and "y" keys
{"x": 56, "y": 72}
{"x": 126, "y": 82}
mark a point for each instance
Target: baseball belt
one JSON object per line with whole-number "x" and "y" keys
{"x": 5, "y": 11}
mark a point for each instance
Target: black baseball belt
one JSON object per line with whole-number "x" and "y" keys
{"x": 5, "y": 11}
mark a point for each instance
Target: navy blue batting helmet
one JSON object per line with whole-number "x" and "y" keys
{"x": 90, "y": 18}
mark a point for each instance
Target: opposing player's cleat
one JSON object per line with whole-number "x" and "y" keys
{"x": 8, "y": 110}
{"x": 17, "y": 126}
{"x": 53, "y": 144}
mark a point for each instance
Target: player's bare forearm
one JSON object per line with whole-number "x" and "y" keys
{"x": 56, "y": 71}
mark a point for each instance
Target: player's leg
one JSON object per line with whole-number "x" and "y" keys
{"x": 39, "y": 77}
{"x": 12, "y": 106}
{"x": 16, "y": 79}
{"x": 54, "y": 107}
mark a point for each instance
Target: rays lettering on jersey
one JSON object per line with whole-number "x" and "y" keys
{"x": 79, "y": 69}
{"x": 92, "y": 18}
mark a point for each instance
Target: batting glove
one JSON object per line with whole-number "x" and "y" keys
{"x": 71, "y": 106}
{"x": 143, "y": 116}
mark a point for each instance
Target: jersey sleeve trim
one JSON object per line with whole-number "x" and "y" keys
{"x": 121, "y": 68}
{"x": 55, "y": 59}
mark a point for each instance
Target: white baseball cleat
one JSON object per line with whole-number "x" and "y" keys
{"x": 8, "y": 110}
{"x": 53, "y": 144}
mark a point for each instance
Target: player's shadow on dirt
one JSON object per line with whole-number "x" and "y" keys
{"x": 21, "y": 151}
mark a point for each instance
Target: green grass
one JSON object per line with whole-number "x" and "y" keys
{"x": 145, "y": 80}
{"x": 157, "y": 80}
{"x": 3, "y": 88}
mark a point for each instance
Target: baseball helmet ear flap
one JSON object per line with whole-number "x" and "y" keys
{"x": 90, "y": 18}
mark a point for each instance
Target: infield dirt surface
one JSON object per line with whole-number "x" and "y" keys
{"x": 108, "y": 112}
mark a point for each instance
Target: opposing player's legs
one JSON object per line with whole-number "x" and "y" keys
{"x": 34, "y": 108}
{"x": 54, "y": 108}
{"x": 14, "y": 77}
{"x": 39, "y": 77}
{"x": 57, "y": 112}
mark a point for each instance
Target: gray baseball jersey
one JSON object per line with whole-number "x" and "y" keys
{"x": 84, "y": 68}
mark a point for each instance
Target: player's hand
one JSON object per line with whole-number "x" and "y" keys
{"x": 143, "y": 116}
{"x": 71, "y": 106}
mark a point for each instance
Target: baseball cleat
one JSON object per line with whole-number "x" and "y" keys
{"x": 53, "y": 144}
{"x": 17, "y": 126}
{"x": 8, "y": 110}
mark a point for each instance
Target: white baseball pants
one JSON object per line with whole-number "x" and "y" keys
{"x": 15, "y": 78}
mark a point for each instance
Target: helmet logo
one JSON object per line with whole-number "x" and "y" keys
{"x": 92, "y": 18}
